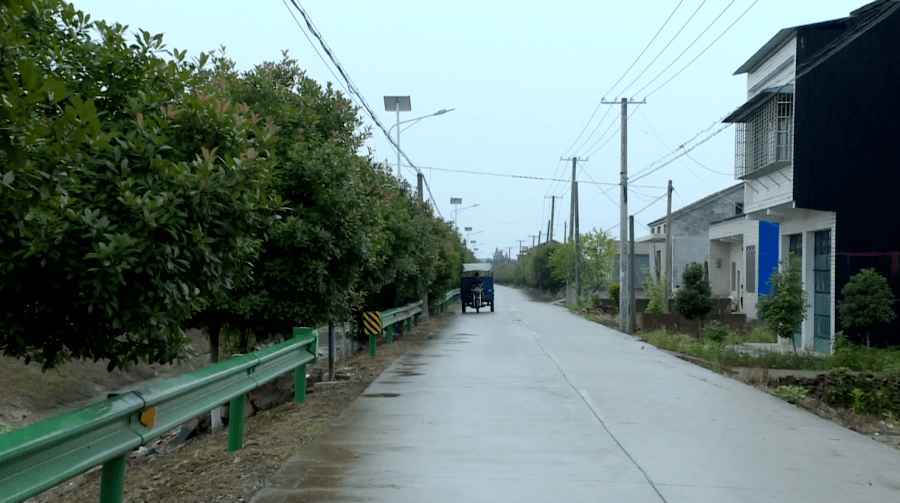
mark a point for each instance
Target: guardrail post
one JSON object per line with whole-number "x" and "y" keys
{"x": 112, "y": 483}
{"x": 236, "y": 424}
{"x": 409, "y": 324}
{"x": 371, "y": 345}
{"x": 300, "y": 384}
{"x": 389, "y": 334}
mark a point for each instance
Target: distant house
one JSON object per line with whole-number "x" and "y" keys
{"x": 818, "y": 152}
{"x": 690, "y": 232}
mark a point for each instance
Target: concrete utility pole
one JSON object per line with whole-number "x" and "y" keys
{"x": 631, "y": 302}
{"x": 669, "y": 247}
{"x": 509, "y": 253}
{"x": 573, "y": 233}
{"x": 623, "y": 217}
{"x": 552, "y": 215}
{"x": 520, "y": 245}
{"x": 577, "y": 247}
{"x": 565, "y": 232}
{"x": 539, "y": 237}
{"x": 532, "y": 236}
{"x": 548, "y": 231}
{"x": 420, "y": 180}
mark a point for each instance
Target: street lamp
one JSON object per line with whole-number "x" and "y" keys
{"x": 468, "y": 234}
{"x": 457, "y": 201}
{"x": 397, "y": 104}
{"x": 417, "y": 119}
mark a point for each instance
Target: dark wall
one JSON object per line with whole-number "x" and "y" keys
{"x": 847, "y": 148}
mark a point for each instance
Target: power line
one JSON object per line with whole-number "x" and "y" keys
{"x": 688, "y": 47}
{"x": 613, "y": 135}
{"x": 353, "y": 90}
{"x": 617, "y": 83}
{"x": 527, "y": 177}
{"x": 663, "y": 49}
{"x": 705, "y": 49}
{"x": 686, "y": 150}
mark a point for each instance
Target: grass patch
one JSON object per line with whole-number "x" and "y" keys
{"x": 761, "y": 335}
{"x": 316, "y": 429}
{"x": 852, "y": 357}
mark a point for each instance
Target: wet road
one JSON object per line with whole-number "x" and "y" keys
{"x": 532, "y": 403}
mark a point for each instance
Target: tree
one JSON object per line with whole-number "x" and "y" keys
{"x": 656, "y": 292}
{"x": 134, "y": 200}
{"x": 868, "y": 302}
{"x": 784, "y": 308}
{"x": 598, "y": 251}
{"x": 695, "y": 300}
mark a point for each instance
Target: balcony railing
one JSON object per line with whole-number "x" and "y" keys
{"x": 764, "y": 134}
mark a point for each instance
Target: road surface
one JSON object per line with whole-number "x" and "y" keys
{"x": 534, "y": 404}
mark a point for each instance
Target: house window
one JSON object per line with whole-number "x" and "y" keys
{"x": 751, "y": 269}
{"x": 738, "y": 208}
{"x": 765, "y": 135}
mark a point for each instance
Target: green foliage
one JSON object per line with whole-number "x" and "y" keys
{"x": 868, "y": 302}
{"x": 784, "y": 307}
{"x": 614, "y": 291}
{"x": 533, "y": 270}
{"x": 656, "y": 292}
{"x": 143, "y": 193}
{"x": 598, "y": 251}
{"x": 138, "y": 200}
{"x": 761, "y": 335}
{"x": 715, "y": 332}
{"x": 695, "y": 300}
{"x": 791, "y": 394}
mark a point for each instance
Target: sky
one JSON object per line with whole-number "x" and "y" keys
{"x": 525, "y": 81}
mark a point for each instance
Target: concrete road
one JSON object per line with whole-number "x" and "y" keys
{"x": 532, "y": 403}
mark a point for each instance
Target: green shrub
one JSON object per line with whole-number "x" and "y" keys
{"x": 656, "y": 292}
{"x": 791, "y": 394}
{"x": 715, "y": 332}
{"x": 784, "y": 308}
{"x": 695, "y": 300}
{"x": 595, "y": 299}
{"x": 761, "y": 335}
{"x": 614, "y": 290}
{"x": 868, "y": 302}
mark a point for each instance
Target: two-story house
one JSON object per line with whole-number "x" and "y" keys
{"x": 817, "y": 146}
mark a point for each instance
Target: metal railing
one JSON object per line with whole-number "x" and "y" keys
{"x": 39, "y": 456}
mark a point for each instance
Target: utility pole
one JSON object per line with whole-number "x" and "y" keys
{"x": 552, "y": 215}
{"x": 623, "y": 217}
{"x": 509, "y": 253}
{"x": 539, "y": 237}
{"x": 565, "y": 232}
{"x": 420, "y": 178}
{"x": 669, "y": 247}
{"x": 532, "y": 236}
{"x": 548, "y": 231}
{"x": 631, "y": 302}
{"x": 520, "y": 245}
{"x": 573, "y": 230}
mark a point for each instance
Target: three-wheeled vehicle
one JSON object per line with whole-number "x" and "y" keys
{"x": 476, "y": 287}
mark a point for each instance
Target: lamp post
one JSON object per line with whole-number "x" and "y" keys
{"x": 457, "y": 201}
{"x": 397, "y": 104}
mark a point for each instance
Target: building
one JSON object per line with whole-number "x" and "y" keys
{"x": 817, "y": 150}
{"x": 690, "y": 232}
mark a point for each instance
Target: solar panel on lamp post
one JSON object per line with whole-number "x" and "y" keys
{"x": 397, "y": 104}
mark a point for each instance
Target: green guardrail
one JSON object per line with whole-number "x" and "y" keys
{"x": 39, "y": 456}
{"x": 451, "y": 297}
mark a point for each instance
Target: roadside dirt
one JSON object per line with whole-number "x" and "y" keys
{"x": 202, "y": 469}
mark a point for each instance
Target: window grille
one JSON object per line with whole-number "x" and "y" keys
{"x": 766, "y": 136}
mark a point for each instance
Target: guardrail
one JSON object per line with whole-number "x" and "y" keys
{"x": 39, "y": 456}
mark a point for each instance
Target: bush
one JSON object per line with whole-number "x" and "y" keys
{"x": 656, "y": 292}
{"x": 784, "y": 308}
{"x": 595, "y": 299}
{"x": 715, "y": 332}
{"x": 761, "y": 335}
{"x": 614, "y": 290}
{"x": 868, "y": 302}
{"x": 695, "y": 300}
{"x": 791, "y": 394}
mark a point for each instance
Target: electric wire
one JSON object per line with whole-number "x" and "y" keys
{"x": 528, "y": 177}
{"x": 704, "y": 50}
{"x": 353, "y": 90}
{"x": 686, "y": 49}
{"x": 588, "y": 123}
{"x": 663, "y": 49}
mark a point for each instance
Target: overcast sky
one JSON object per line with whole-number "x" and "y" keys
{"x": 524, "y": 79}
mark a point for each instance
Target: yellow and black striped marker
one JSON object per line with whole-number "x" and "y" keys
{"x": 372, "y": 327}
